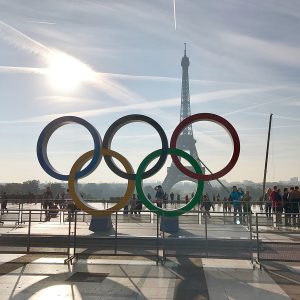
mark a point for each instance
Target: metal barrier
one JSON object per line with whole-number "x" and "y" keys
{"x": 201, "y": 234}
{"x": 274, "y": 240}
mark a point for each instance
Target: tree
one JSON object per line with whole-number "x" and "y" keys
{"x": 31, "y": 186}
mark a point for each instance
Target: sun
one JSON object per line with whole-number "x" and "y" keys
{"x": 66, "y": 73}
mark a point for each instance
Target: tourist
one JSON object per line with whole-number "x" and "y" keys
{"x": 229, "y": 204}
{"x": 178, "y": 199}
{"x": 125, "y": 211}
{"x": 186, "y": 199}
{"x": 287, "y": 207}
{"x": 268, "y": 203}
{"x": 138, "y": 206}
{"x": 172, "y": 198}
{"x": 277, "y": 204}
{"x": 246, "y": 200}
{"x": 70, "y": 206}
{"x": 47, "y": 202}
{"x": 294, "y": 199}
{"x": 132, "y": 203}
{"x": 206, "y": 205}
{"x": 236, "y": 195}
{"x": 4, "y": 203}
{"x": 159, "y": 195}
{"x": 62, "y": 203}
{"x": 165, "y": 200}
{"x": 225, "y": 204}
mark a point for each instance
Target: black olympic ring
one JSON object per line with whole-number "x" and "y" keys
{"x": 111, "y": 131}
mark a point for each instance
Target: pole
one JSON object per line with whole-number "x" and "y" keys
{"x": 267, "y": 156}
{"x": 205, "y": 166}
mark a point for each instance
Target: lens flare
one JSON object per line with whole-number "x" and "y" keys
{"x": 66, "y": 73}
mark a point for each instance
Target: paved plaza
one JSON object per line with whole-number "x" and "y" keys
{"x": 47, "y": 277}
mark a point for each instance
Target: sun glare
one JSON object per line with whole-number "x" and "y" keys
{"x": 66, "y": 73}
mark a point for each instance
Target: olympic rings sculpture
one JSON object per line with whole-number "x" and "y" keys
{"x": 135, "y": 180}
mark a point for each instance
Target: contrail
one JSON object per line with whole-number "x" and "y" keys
{"x": 20, "y": 40}
{"x": 41, "y": 22}
{"x": 198, "y": 98}
{"x": 23, "y": 70}
{"x": 36, "y": 70}
{"x": 174, "y": 6}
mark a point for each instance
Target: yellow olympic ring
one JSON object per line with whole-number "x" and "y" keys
{"x": 73, "y": 184}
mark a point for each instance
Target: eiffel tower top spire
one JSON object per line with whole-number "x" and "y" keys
{"x": 185, "y": 109}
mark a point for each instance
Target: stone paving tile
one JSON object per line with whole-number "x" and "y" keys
{"x": 237, "y": 283}
{"x": 180, "y": 278}
{"x": 154, "y": 282}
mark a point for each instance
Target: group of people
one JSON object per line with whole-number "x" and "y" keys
{"x": 162, "y": 199}
{"x": 134, "y": 206}
{"x": 287, "y": 202}
{"x": 50, "y": 204}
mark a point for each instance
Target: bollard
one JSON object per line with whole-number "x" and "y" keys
{"x": 116, "y": 233}
{"x": 206, "y": 241}
{"x": 257, "y": 239}
{"x": 29, "y": 233}
{"x": 157, "y": 239}
{"x": 75, "y": 234}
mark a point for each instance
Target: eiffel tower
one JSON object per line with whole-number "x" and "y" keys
{"x": 186, "y": 141}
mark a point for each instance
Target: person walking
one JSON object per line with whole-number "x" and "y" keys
{"x": 159, "y": 195}
{"x": 172, "y": 198}
{"x": 4, "y": 203}
{"x": 229, "y": 204}
{"x": 47, "y": 201}
{"x": 225, "y": 204}
{"x": 294, "y": 199}
{"x": 132, "y": 203}
{"x": 246, "y": 200}
{"x": 268, "y": 203}
{"x": 236, "y": 195}
{"x": 186, "y": 199}
{"x": 206, "y": 205}
{"x": 277, "y": 204}
{"x": 178, "y": 199}
{"x": 70, "y": 205}
{"x": 286, "y": 207}
{"x": 138, "y": 206}
{"x": 165, "y": 200}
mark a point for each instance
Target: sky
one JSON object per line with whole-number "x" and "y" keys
{"x": 101, "y": 60}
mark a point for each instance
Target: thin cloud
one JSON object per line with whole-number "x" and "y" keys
{"x": 65, "y": 99}
{"x": 198, "y": 98}
{"x": 256, "y": 106}
{"x": 267, "y": 50}
{"x": 274, "y": 116}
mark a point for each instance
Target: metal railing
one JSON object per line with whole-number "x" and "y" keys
{"x": 203, "y": 238}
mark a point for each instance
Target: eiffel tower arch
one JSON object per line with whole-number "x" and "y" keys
{"x": 186, "y": 141}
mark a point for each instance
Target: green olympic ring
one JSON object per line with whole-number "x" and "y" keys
{"x": 139, "y": 184}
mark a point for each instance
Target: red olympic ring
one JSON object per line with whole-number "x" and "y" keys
{"x": 220, "y": 121}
